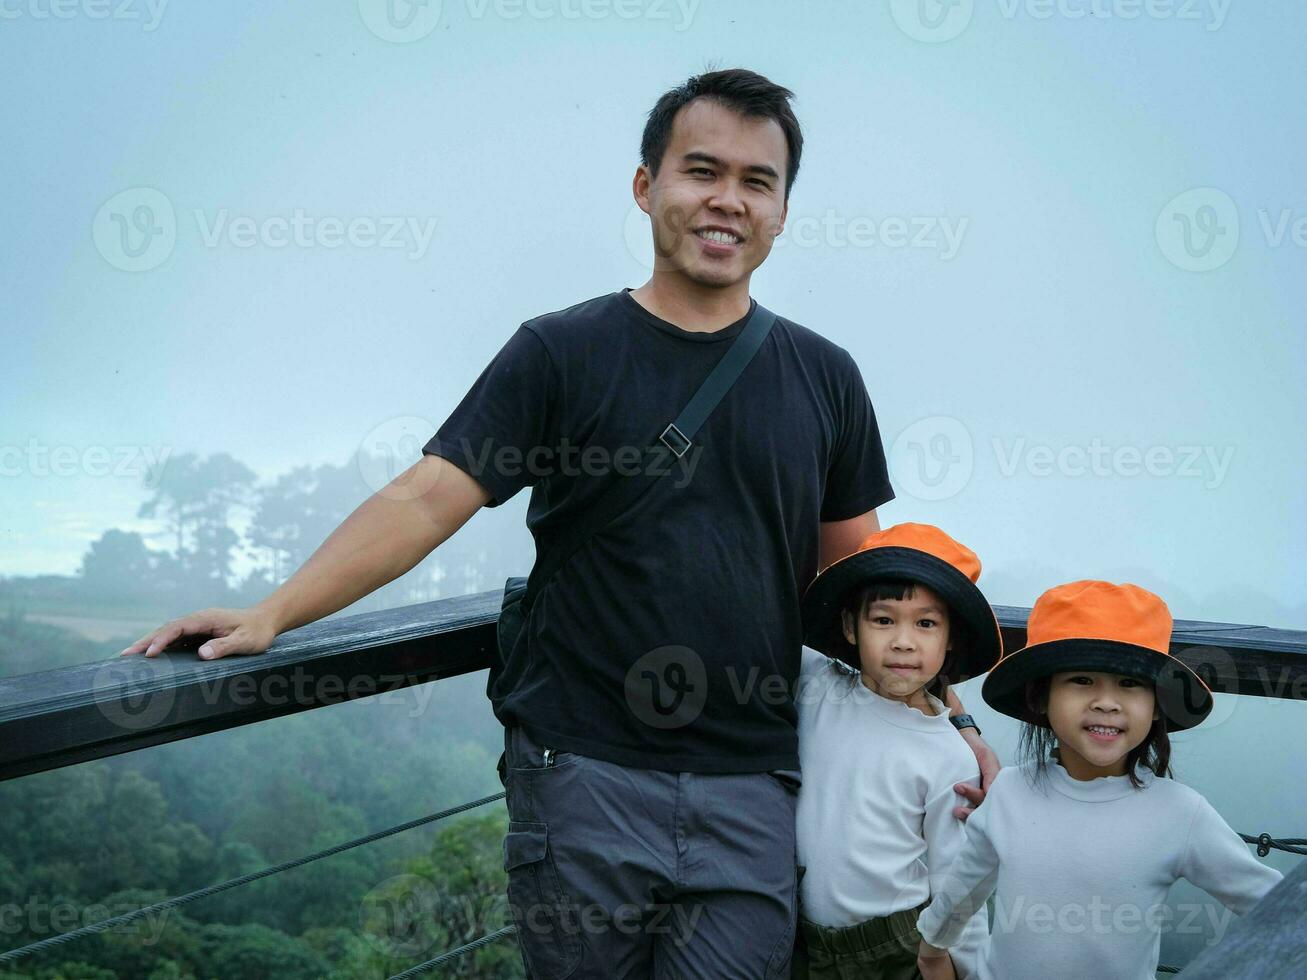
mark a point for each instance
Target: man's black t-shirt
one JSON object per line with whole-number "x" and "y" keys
{"x": 671, "y": 638}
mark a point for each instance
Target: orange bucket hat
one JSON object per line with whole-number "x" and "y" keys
{"x": 1102, "y": 627}
{"x": 918, "y": 553}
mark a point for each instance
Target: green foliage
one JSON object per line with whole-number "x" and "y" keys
{"x": 255, "y": 952}
{"x": 83, "y": 843}
{"x": 70, "y": 970}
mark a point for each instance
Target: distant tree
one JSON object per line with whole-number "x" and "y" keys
{"x": 446, "y": 899}
{"x": 178, "y": 496}
{"x": 199, "y": 497}
{"x": 226, "y": 485}
{"x": 84, "y": 832}
{"x": 255, "y": 952}
{"x": 118, "y": 567}
{"x": 299, "y": 510}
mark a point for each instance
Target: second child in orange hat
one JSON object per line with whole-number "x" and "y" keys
{"x": 1080, "y": 844}
{"x": 887, "y": 628}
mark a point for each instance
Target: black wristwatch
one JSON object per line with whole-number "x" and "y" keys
{"x": 964, "y": 721}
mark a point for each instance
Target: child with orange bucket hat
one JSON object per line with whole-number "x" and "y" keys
{"x": 887, "y": 629}
{"x": 1080, "y": 844}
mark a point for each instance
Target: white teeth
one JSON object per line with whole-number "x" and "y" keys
{"x": 720, "y": 237}
{"x": 1104, "y": 730}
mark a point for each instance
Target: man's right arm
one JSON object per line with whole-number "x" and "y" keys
{"x": 385, "y": 537}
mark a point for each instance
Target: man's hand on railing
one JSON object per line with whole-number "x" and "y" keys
{"x": 387, "y": 535}
{"x": 217, "y": 632}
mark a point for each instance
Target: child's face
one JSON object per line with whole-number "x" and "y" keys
{"x": 1081, "y": 703}
{"x": 901, "y": 643}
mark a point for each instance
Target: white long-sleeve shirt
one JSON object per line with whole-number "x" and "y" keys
{"x": 875, "y": 817}
{"x": 1080, "y": 871}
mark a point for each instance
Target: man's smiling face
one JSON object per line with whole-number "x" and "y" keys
{"x": 719, "y": 198}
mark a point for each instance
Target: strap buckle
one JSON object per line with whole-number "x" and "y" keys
{"x": 674, "y": 439}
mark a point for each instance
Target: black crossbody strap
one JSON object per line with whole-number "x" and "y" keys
{"x": 674, "y": 441}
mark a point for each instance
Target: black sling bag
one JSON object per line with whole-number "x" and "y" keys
{"x": 624, "y": 491}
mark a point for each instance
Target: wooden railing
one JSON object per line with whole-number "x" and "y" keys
{"x": 68, "y": 715}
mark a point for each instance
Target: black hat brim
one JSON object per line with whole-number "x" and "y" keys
{"x": 1182, "y": 697}
{"x": 824, "y": 600}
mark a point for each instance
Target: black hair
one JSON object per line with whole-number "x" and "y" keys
{"x": 1038, "y": 738}
{"x": 859, "y": 599}
{"x": 738, "y": 89}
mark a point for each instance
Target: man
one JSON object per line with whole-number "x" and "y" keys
{"x": 650, "y": 744}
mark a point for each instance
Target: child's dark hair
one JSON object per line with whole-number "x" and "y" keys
{"x": 1037, "y": 738}
{"x": 857, "y": 601}
{"x": 738, "y": 89}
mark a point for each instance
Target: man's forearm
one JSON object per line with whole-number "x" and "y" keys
{"x": 954, "y": 705}
{"x": 386, "y": 536}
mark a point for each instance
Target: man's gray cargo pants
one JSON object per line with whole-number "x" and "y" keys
{"x": 616, "y": 872}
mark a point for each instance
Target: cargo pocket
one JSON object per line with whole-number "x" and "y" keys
{"x": 781, "y": 962}
{"x": 546, "y": 928}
